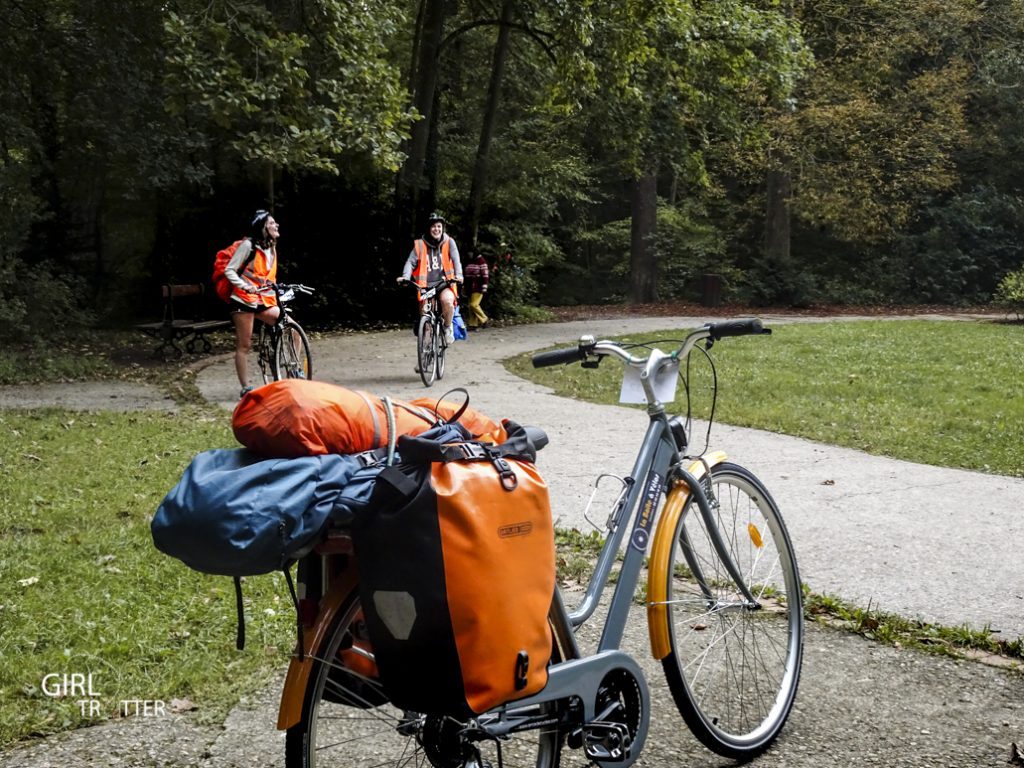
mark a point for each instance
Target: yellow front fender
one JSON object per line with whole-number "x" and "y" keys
{"x": 660, "y": 555}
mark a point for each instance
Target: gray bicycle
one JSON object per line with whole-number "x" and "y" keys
{"x": 723, "y": 603}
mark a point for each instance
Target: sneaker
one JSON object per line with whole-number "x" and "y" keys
{"x": 449, "y": 335}
{"x": 244, "y": 392}
{"x": 417, "y": 368}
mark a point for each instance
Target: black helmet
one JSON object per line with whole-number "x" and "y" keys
{"x": 436, "y": 217}
{"x": 259, "y": 221}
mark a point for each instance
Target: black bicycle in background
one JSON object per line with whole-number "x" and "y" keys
{"x": 282, "y": 349}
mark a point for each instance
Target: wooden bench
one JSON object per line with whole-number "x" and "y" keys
{"x": 172, "y": 329}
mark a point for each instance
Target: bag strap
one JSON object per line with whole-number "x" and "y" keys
{"x": 298, "y": 613}
{"x": 240, "y": 609}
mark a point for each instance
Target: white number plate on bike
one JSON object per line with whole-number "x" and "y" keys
{"x": 664, "y": 385}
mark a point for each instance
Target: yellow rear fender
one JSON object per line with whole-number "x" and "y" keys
{"x": 661, "y": 551}
{"x": 313, "y": 640}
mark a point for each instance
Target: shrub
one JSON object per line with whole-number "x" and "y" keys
{"x": 1010, "y": 293}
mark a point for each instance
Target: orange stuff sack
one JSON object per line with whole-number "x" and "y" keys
{"x": 298, "y": 417}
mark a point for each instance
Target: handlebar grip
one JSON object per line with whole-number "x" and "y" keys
{"x": 558, "y": 357}
{"x": 747, "y": 327}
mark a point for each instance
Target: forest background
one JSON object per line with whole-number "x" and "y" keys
{"x": 827, "y": 151}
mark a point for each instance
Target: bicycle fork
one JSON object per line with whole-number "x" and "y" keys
{"x": 690, "y": 488}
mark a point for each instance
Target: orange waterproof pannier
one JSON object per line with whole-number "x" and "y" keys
{"x": 297, "y": 417}
{"x": 456, "y": 575}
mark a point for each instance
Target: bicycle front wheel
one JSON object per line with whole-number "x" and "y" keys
{"x": 426, "y": 350}
{"x": 733, "y": 668}
{"x": 292, "y": 358}
{"x": 347, "y": 720}
{"x": 442, "y": 346}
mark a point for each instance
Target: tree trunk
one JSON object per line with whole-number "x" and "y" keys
{"x": 476, "y": 190}
{"x": 643, "y": 261}
{"x": 777, "y": 223}
{"x": 411, "y": 177}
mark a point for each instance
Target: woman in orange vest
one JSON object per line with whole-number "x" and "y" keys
{"x": 253, "y": 263}
{"x": 435, "y": 257}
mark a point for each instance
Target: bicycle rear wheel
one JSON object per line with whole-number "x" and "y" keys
{"x": 734, "y": 670}
{"x": 426, "y": 350}
{"x": 346, "y": 719}
{"x": 292, "y": 358}
{"x": 261, "y": 354}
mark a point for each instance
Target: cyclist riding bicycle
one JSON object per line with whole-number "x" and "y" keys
{"x": 435, "y": 257}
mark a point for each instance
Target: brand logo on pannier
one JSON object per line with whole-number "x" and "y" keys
{"x": 516, "y": 529}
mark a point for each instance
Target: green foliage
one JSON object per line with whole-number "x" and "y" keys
{"x": 278, "y": 92}
{"x": 906, "y": 389}
{"x": 83, "y": 590}
{"x": 1010, "y": 293}
{"x": 878, "y": 120}
{"x": 688, "y": 245}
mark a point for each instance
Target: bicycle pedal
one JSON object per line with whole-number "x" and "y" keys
{"x": 607, "y": 741}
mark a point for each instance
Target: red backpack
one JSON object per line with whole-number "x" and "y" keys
{"x": 221, "y": 285}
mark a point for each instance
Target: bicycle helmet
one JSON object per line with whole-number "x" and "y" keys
{"x": 259, "y": 222}
{"x": 436, "y": 217}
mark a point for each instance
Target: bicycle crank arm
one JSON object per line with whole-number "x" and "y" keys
{"x": 584, "y": 679}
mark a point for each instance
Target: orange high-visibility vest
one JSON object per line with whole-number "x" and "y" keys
{"x": 257, "y": 271}
{"x": 419, "y": 275}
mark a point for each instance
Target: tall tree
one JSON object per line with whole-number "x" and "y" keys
{"x": 479, "y": 178}
{"x": 424, "y": 78}
{"x": 672, "y": 77}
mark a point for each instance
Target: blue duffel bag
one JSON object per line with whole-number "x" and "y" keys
{"x": 234, "y": 513}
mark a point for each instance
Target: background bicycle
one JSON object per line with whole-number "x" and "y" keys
{"x": 431, "y": 343}
{"x": 724, "y": 613}
{"x": 282, "y": 351}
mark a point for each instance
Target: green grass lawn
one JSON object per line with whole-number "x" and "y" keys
{"x": 84, "y": 591}
{"x": 946, "y": 393}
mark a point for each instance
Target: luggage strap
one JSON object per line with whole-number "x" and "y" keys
{"x": 481, "y": 452}
{"x": 240, "y": 608}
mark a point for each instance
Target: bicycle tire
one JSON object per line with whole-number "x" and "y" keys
{"x": 292, "y": 356}
{"x": 734, "y": 671}
{"x": 426, "y": 350}
{"x": 262, "y": 353}
{"x": 442, "y": 346}
{"x": 346, "y": 719}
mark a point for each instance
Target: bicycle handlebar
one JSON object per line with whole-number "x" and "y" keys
{"x": 559, "y": 356}
{"x": 270, "y": 287}
{"x": 588, "y": 346}
{"x": 746, "y": 327}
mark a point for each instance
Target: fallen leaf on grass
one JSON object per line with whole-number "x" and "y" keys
{"x": 182, "y": 705}
{"x": 28, "y": 582}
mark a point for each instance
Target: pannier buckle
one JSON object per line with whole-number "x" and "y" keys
{"x": 509, "y": 481}
{"x": 464, "y": 452}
